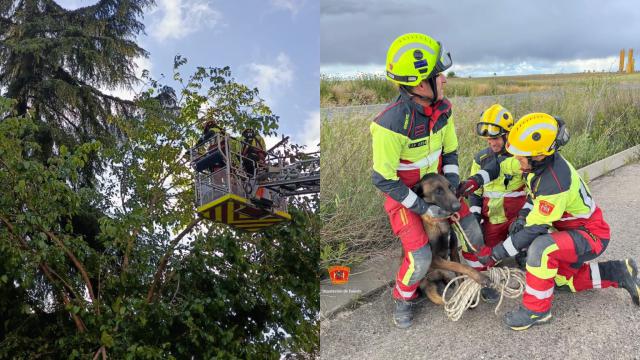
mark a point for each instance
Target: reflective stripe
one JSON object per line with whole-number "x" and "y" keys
{"x": 404, "y": 294}
{"x": 531, "y": 129}
{"x": 474, "y": 264}
{"x": 450, "y": 169}
{"x": 539, "y": 294}
{"x": 411, "y": 46}
{"x": 512, "y": 149}
{"x": 475, "y": 209}
{"x": 499, "y": 116}
{"x": 528, "y": 205}
{"x": 581, "y": 216}
{"x": 498, "y": 194}
{"x": 485, "y": 176}
{"x": 410, "y": 270}
{"x": 595, "y": 276}
{"x": 508, "y": 245}
{"x": 410, "y": 199}
{"x": 424, "y": 162}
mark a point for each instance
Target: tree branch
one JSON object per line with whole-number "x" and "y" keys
{"x": 65, "y": 298}
{"x": 78, "y": 265}
{"x": 125, "y": 261}
{"x": 165, "y": 258}
{"x": 47, "y": 271}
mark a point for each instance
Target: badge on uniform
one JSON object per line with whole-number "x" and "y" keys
{"x": 545, "y": 207}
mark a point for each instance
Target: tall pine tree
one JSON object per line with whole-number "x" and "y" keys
{"x": 57, "y": 63}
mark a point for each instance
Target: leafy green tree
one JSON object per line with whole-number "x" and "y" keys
{"x": 156, "y": 281}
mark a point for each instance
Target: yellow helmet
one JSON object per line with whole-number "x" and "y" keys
{"x": 415, "y": 57}
{"x": 495, "y": 121}
{"x": 537, "y": 134}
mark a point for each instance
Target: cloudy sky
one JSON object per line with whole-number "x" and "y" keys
{"x": 271, "y": 44}
{"x": 503, "y": 36}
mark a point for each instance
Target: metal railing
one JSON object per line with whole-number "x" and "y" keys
{"x": 221, "y": 169}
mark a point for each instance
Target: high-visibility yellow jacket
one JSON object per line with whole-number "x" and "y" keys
{"x": 409, "y": 141}
{"x": 558, "y": 198}
{"x": 257, "y": 142}
{"x": 502, "y": 187}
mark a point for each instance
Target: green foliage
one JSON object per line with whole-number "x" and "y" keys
{"x": 153, "y": 282}
{"x": 54, "y": 63}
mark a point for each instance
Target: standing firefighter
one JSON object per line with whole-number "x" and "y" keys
{"x": 253, "y": 150}
{"x": 496, "y": 189}
{"x": 213, "y": 158}
{"x": 413, "y": 136}
{"x": 559, "y": 199}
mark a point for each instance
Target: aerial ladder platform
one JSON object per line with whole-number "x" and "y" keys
{"x": 248, "y": 192}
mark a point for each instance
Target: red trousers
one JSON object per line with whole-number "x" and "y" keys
{"x": 408, "y": 226}
{"x": 559, "y": 258}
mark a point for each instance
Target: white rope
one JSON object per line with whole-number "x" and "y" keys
{"x": 509, "y": 282}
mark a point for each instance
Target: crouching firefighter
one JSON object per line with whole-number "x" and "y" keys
{"x": 496, "y": 190}
{"x": 559, "y": 199}
{"x": 413, "y": 136}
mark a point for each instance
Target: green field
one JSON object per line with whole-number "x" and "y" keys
{"x": 371, "y": 89}
{"x": 603, "y": 118}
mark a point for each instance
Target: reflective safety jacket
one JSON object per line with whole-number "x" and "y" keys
{"x": 410, "y": 140}
{"x": 502, "y": 187}
{"x": 558, "y": 198}
{"x": 253, "y": 145}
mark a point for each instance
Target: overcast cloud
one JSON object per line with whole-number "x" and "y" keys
{"x": 492, "y": 35}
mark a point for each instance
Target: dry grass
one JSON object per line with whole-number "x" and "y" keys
{"x": 602, "y": 119}
{"x": 370, "y": 89}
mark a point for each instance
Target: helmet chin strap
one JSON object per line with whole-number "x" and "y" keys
{"x": 434, "y": 88}
{"x": 432, "y": 83}
{"x": 538, "y": 164}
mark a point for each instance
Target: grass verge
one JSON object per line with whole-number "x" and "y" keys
{"x": 372, "y": 89}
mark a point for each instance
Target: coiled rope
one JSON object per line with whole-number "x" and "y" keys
{"x": 509, "y": 282}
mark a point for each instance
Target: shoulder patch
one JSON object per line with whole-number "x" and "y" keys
{"x": 545, "y": 207}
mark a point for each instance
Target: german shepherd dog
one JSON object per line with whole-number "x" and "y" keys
{"x": 436, "y": 189}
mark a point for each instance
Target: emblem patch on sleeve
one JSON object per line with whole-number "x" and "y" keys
{"x": 545, "y": 207}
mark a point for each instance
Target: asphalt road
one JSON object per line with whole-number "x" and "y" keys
{"x": 595, "y": 324}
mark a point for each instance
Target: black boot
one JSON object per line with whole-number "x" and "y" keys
{"x": 522, "y": 319}
{"x": 403, "y": 313}
{"x": 489, "y": 295}
{"x": 624, "y": 273}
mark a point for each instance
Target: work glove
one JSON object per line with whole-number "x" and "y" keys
{"x": 434, "y": 211}
{"x": 517, "y": 225}
{"x": 467, "y": 187}
{"x": 499, "y": 252}
{"x": 484, "y": 257}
